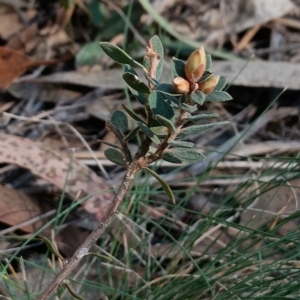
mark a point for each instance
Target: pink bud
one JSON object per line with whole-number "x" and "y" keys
{"x": 195, "y": 65}
{"x": 180, "y": 85}
{"x": 209, "y": 85}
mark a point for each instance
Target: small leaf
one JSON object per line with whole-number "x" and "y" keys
{"x": 160, "y": 131}
{"x": 221, "y": 83}
{"x": 135, "y": 83}
{"x": 197, "y": 97}
{"x": 166, "y": 88}
{"x": 119, "y": 120}
{"x": 178, "y": 67}
{"x": 142, "y": 98}
{"x": 218, "y": 96}
{"x": 109, "y": 144}
{"x": 173, "y": 101}
{"x": 188, "y": 108}
{"x": 206, "y": 76}
{"x": 172, "y": 159}
{"x": 181, "y": 144}
{"x": 159, "y": 106}
{"x": 149, "y": 133}
{"x": 158, "y": 48}
{"x": 165, "y": 122}
{"x": 51, "y": 247}
{"x": 117, "y": 54}
{"x": 132, "y": 134}
{"x": 88, "y": 54}
{"x": 164, "y": 185}
{"x": 115, "y": 156}
{"x": 197, "y": 118}
{"x": 129, "y": 69}
{"x": 184, "y": 155}
{"x": 208, "y": 62}
{"x": 132, "y": 114}
{"x": 73, "y": 292}
{"x": 199, "y": 128}
{"x": 100, "y": 256}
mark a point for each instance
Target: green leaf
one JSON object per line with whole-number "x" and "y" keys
{"x": 178, "y": 67}
{"x": 73, "y": 292}
{"x": 115, "y": 156}
{"x": 188, "y": 108}
{"x": 199, "y": 128}
{"x": 119, "y": 120}
{"x": 109, "y": 144}
{"x": 159, "y": 106}
{"x": 173, "y": 101}
{"x": 183, "y": 155}
{"x": 181, "y": 144}
{"x": 165, "y": 122}
{"x": 129, "y": 69}
{"x": 117, "y": 54}
{"x": 166, "y": 88}
{"x": 132, "y": 134}
{"x": 218, "y": 96}
{"x": 100, "y": 256}
{"x": 51, "y": 247}
{"x": 132, "y": 114}
{"x": 160, "y": 131}
{"x": 164, "y": 185}
{"x": 197, "y": 118}
{"x": 142, "y": 98}
{"x": 197, "y": 97}
{"x": 88, "y": 54}
{"x": 208, "y": 62}
{"x": 135, "y": 83}
{"x": 158, "y": 48}
{"x": 149, "y": 133}
{"x": 221, "y": 83}
{"x": 205, "y": 76}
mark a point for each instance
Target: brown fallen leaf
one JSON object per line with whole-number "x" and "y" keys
{"x": 56, "y": 166}
{"x": 14, "y": 63}
{"x": 16, "y": 207}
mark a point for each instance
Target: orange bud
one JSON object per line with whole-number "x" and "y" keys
{"x": 209, "y": 85}
{"x": 180, "y": 85}
{"x": 195, "y": 65}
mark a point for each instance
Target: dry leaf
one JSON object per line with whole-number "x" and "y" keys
{"x": 16, "y": 207}
{"x": 14, "y": 63}
{"x": 55, "y": 167}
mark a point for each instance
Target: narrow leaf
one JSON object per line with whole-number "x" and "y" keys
{"x": 218, "y": 96}
{"x": 132, "y": 134}
{"x": 160, "y": 131}
{"x": 171, "y": 158}
{"x": 73, "y": 292}
{"x": 182, "y": 144}
{"x": 149, "y": 133}
{"x": 184, "y": 154}
{"x": 157, "y": 48}
{"x": 197, "y": 118}
{"x": 165, "y": 122}
{"x": 119, "y": 120}
{"x": 115, "y": 156}
{"x": 178, "y": 67}
{"x": 221, "y": 84}
{"x": 208, "y": 62}
{"x": 206, "y": 76}
{"x": 117, "y": 54}
{"x": 135, "y": 83}
{"x": 199, "y": 128}
{"x": 197, "y": 97}
{"x": 132, "y": 114}
{"x": 51, "y": 247}
{"x": 129, "y": 69}
{"x": 100, "y": 256}
{"x": 188, "y": 108}
{"x": 109, "y": 144}
{"x": 164, "y": 185}
{"x": 159, "y": 106}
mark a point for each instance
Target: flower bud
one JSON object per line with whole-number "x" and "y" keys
{"x": 180, "y": 85}
{"x": 195, "y": 65}
{"x": 209, "y": 85}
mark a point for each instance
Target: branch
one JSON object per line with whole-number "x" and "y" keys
{"x": 83, "y": 250}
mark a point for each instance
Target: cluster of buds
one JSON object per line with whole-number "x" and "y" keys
{"x": 194, "y": 70}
